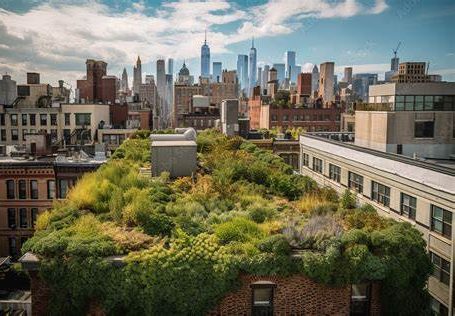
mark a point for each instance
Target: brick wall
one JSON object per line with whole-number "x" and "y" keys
{"x": 295, "y": 295}
{"x": 40, "y": 294}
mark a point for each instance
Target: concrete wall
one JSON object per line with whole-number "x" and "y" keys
{"x": 385, "y": 130}
{"x": 176, "y": 157}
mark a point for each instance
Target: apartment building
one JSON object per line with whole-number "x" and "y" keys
{"x": 29, "y": 186}
{"x": 421, "y": 193}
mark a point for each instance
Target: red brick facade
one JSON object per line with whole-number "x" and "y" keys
{"x": 295, "y": 295}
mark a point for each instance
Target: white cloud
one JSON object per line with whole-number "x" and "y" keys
{"x": 60, "y": 35}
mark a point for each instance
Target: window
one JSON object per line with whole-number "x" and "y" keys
{"x": 13, "y": 118}
{"x": 400, "y": 149}
{"x": 441, "y": 269}
{"x": 43, "y": 119}
{"x": 34, "y": 212}
{"x": 50, "y": 189}
{"x": 24, "y": 119}
{"x": 399, "y": 103}
{"x": 12, "y": 218}
{"x": 335, "y": 173}
{"x": 3, "y": 132}
{"x": 67, "y": 118}
{"x": 32, "y": 118}
{"x": 54, "y": 119}
{"x": 63, "y": 186}
{"x": 437, "y": 308}
{"x": 428, "y": 103}
{"x": 418, "y": 103}
{"x": 22, "y": 189}
{"x": 2, "y": 119}
{"x": 380, "y": 193}
{"x": 360, "y": 299}
{"x": 23, "y": 218}
{"x": 14, "y": 134}
{"x": 83, "y": 118}
{"x": 408, "y": 206}
{"x": 441, "y": 221}
{"x": 10, "y": 192}
{"x": 355, "y": 182}
{"x": 262, "y": 299}
{"x": 12, "y": 246}
{"x": 24, "y": 132}
{"x": 424, "y": 129}
{"x": 305, "y": 160}
{"x": 34, "y": 189}
{"x": 285, "y": 117}
{"x": 317, "y": 165}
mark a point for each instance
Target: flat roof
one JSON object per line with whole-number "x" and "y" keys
{"x": 173, "y": 143}
{"x": 435, "y": 176}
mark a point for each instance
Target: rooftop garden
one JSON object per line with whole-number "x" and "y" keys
{"x": 186, "y": 241}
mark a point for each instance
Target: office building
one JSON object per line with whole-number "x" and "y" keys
{"x": 137, "y": 76}
{"x": 413, "y": 72}
{"x": 217, "y": 68}
{"x": 326, "y": 82}
{"x": 281, "y": 72}
{"x": 412, "y": 119}
{"x": 361, "y": 84}
{"x": 290, "y": 63}
{"x": 242, "y": 71}
{"x": 170, "y": 66}
{"x": 124, "y": 82}
{"x": 252, "y": 68}
{"x": 205, "y": 59}
{"x": 314, "y": 80}
{"x": 347, "y": 74}
{"x": 259, "y": 79}
{"x": 265, "y": 78}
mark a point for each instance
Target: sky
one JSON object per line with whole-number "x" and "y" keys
{"x": 55, "y": 37}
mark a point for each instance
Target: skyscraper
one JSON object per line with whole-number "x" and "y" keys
{"x": 252, "y": 68}
{"x": 242, "y": 71}
{"x": 290, "y": 64}
{"x": 281, "y": 71}
{"x": 314, "y": 80}
{"x": 170, "y": 66}
{"x": 205, "y": 58}
{"x": 259, "y": 79}
{"x": 137, "y": 75}
{"x": 326, "y": 81}
{"x": 217, "y": 66}
{"x": 160, "y": 83}
{"x": 124, "y": 82}
{"x": 265, "y": 77}
{"x": 347, "y": 74}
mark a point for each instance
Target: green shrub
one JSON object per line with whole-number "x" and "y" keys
{"x": 276, "y": 244}
{"x": 347, "y": 200}
{"x": 237, "y": 229}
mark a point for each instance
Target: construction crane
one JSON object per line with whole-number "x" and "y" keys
{"x": 396, "y": 50}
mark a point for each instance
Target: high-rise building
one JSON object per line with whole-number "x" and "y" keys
{"x": 295, "y": 71}
{"x": 290, "y": 64}
{"x": 160, "y": 83}
{"x": 259, "y": 79}
{"x": 347, "y": 74}
{"x": 413, "y": 72}
{"x": 8, "y": 90}
{"x": 265, "y": 77}
{"x": 252, "y": 67}
{"x": 242, "y": 71}
{"x": 217, "y": 67}
{"x": 326, "y": 81}
{"x": 314, "y": 80}
{"x": 394, "y": 63}
{"x": 205, "y": 59}
{"x": 168, "y": 100}
{"x": 281, "y": 71}
{"x": 124, "y": 82}
{"x": 170, "y": 66}
{"x": 137, "y": 75}
{"x": 97, "y": 87}
{"x": 361, "y": 84}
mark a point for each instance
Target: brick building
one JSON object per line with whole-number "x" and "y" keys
{"x": 97, "y": 87}
{"x": 28, "y": 187}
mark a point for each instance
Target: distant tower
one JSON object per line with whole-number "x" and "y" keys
{"x": 161, "y": 82}
{"x": 170, "y": 66}
{"x": 290, "y": 65}
{"x": 259, "y": 78}
{"x": 242, "y": 71}
{"x": 124, "y": 82}
{"x": 205, "y": 58}
{"x": 265, "y": 77}
{"x": 347, "y": 74}
{"x": 217, "y": 67}
{"x": 252, "y": 67}
{"x": 326, "y": 81}
{"x": 314, "y": 80}
{"x": 137, "y": 75}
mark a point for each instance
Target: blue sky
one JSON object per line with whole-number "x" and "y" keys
{"x": 55, "y": 37}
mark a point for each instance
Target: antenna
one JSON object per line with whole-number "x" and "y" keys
{"x": 396, "y": 50}
{"x": 252, "y": 43}
{"x": 205, "y": 38}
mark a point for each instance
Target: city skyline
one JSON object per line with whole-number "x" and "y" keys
{"x": 301, "y": 28}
